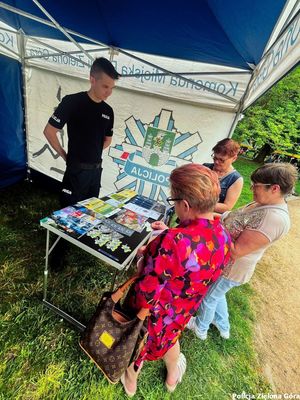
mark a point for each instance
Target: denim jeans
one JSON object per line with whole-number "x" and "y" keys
{"x": 214, "y": 306}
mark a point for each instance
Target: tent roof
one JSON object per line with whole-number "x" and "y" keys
{"x": 232, "y": 33}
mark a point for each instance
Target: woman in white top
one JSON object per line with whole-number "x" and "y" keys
{"x": 253, "y": 229}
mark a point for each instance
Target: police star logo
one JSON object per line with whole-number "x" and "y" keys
{"x": 150, "y": 152}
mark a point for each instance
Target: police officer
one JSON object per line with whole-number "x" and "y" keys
{"x": 89, "y": 122}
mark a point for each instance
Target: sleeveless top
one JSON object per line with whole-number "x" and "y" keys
{"x": 225, "y": 182}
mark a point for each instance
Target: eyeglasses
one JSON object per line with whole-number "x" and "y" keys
{"x": 171, "y": 201}
{"x": 254, "y": 185}
{"x": 219, "y": 159}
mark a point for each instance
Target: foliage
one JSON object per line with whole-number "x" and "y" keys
{"x": 274, "y": 119}
{"x": 39, "y": 353}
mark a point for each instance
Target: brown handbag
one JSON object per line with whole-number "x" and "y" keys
{"x": 113, "y": 338}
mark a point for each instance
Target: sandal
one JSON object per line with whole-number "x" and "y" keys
{"x": 128, "y": 392}
{"x": 181, "y": 364}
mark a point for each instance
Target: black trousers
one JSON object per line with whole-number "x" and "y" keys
{"x": 80, "y": 184}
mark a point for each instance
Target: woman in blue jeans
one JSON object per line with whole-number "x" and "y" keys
{"x": 253, "y": 229}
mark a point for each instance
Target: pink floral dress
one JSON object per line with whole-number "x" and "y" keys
{"x": 179, "y": 267}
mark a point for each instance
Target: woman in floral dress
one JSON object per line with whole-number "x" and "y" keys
{"x": 179, "y": 266}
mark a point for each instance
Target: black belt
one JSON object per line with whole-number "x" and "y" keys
{"x": 85, "y": 165}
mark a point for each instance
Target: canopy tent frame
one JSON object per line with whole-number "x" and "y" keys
{"x": 256, "y": 71}
{"x": 234, "y": 99}
{"x": 272, "y": 40}
{"x": 61, "y": 29}
{"x": 165, "y": 71}
{"x": 52, "y": 23}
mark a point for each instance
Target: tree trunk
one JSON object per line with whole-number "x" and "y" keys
{"x": 263, "y": 152}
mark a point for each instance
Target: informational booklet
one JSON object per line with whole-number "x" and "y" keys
{"x": 92, "y": 203}
{"x": 142, "y": 211}
{"x": 99, "y": 208}
{"x": 131, "y": 220}
{"x": 123, "y": 196}
{"x": 74, "y": 220}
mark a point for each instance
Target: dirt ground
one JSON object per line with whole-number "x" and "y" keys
{"x": 277, "y": 283}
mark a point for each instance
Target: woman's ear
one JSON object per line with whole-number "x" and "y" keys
{"x": 186, "y": 205}
{"x": 275, "y": 188}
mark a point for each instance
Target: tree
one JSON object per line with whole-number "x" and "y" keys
{"x": 273, "y": 122}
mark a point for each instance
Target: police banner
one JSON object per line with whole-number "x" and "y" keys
{"x": 152, "y": 135}
{"x": 199, "y": 83}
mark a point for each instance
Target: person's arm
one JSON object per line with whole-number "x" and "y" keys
{"x": 107, "y": 141}
{"x": 51, "y": 134}
{"x": 232, "y": 195}
{"x": 248, "y": 242}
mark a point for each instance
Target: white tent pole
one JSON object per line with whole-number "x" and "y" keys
{"x": 62, "y": 30}
{"x": 241, "y": 104}
{"x": 21, "y": 46}
{"x": 177, "y": 75}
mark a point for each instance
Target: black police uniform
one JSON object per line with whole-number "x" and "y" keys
{"x": 88, "y": 123}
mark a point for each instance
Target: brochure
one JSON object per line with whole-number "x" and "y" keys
{"x": 131, "y": 220}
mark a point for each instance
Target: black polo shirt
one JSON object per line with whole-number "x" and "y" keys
{"x": 87, "y": 122}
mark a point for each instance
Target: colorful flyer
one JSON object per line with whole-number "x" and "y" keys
{"x": 123, "y": 196}
{"x": 131, "y": 220}
{"x": 104, "y": 209}
{"x": 92, "y": 203}
{"x": 142, "y": 211}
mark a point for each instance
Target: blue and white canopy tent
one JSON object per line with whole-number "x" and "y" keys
{"x": 190, "y": 69}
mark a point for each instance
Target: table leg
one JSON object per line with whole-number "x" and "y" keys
{"x": 51, "y": 306}
{"x": 65, "y": 316}
{"x": 46, "y": 267}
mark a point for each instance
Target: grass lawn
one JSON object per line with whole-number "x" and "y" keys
{"x": 39, "y": 353}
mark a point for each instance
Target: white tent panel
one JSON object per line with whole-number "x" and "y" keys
{"x": 194, "y": 104}
{"x": 8, "y": 41}
{"x": 277, "y": 62}
{"x": 291, "y": 8}
{"x": 213, "y": 85}
{"x": 195, "y": 129}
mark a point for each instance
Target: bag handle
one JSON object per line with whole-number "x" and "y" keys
{"x": 143, "y": 314}
{"x": 119, "y": 293}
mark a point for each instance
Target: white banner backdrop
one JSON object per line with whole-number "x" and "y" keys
{"x": 152, "y": 135}
{"x": 212, "y": 85}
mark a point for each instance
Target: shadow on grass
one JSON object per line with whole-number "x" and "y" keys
{"x": 39, "y": 353}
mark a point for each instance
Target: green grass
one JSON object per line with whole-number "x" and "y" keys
{"x": 39, "y": 353}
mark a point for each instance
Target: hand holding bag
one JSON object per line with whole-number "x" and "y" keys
{"x": 112, "y": 338}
